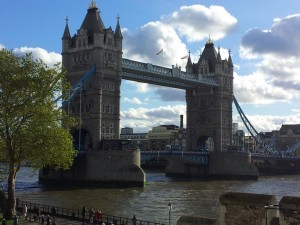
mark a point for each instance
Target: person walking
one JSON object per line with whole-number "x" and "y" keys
{"x": 83, "y": 212}
{"x": 134, "y": 220}
{"x": 91, "y": 215}
{"x": 97, "y": 217}
{"x": 25, "y": 211}
{"x": 16, "y": 220}
{"x": 4, "y": 222}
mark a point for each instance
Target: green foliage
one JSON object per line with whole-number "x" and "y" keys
{"x": 32, "y": 129}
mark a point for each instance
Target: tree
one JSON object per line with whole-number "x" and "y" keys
{"x": 32, "y": 128}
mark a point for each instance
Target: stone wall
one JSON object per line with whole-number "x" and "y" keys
{"x": 232, "y": 165}
{"x": 289, "y": 210}
{"x": 251, "y": 209}
{"x": 99, "y": 167}
{"x": 245, "y": 208}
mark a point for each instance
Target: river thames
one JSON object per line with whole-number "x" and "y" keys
{"x": 188, "y": 197}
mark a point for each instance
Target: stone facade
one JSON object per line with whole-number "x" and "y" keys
{"x": 97, "y": 106}
{"x": 209, "y": 109}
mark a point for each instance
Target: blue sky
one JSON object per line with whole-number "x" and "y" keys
{"x": 263, "y": 36}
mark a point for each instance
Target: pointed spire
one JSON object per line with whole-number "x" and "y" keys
{"x": 209, "y": 41}
{"x": 189, "y": 62}
{"x": 92, "y": 21}
{"x": 229, "y": 58}
{"x": 66, "y": 35}
{"x": 219, "y": 59}
{"x": 118, "y": 32}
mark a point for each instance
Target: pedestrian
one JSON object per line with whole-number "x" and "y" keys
{"x": 4, "y": 222}
{"x": 25, "y": 211}
{"x": 134, "y": 220}
{"x": 43, "y": 220}
{"x": 91, "y": 215}
{"x": 18, "y": 202}
{"x": 48, "y": 220}
{"x": 83, "y": 212}
{"x": 53, "y": 212}
{"x": 97, "y": 216}
{"x": 16, "y": 220}
{"x": 2, "y": 186}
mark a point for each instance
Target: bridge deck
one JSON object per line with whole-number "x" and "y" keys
{"x": 174, "y": 77}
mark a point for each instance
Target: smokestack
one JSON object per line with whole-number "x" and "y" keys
{"x": 181, "y": 121}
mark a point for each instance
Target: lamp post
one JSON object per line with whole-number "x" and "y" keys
{"x": 170, "y": 208}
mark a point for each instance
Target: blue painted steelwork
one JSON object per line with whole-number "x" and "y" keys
{"x": 197, "y": 157}
{"x": 65, "y": 98}
{"x": 292, "y": 149}
{"x": 268, "y": 149}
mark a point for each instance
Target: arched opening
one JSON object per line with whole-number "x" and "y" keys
{"x": 82, "y": 140}
{"x": 205, "y": 143}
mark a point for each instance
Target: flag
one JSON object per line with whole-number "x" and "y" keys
{"x": 162, "y": 50}
{"x": 184, "y": 57}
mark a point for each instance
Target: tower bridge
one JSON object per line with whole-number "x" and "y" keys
{"x": 208, "y": 84}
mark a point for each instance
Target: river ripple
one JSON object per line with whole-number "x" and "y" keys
{"x": 199, "y": 198}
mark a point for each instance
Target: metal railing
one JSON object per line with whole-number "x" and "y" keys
{"x": 76, "y": 214}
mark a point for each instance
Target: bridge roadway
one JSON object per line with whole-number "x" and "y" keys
{"x": 158, "y": 75}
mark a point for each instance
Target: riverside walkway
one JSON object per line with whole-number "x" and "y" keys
{"x": 66, "y": 216}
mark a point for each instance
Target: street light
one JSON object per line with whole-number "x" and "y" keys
{"x": 170, "y": 208}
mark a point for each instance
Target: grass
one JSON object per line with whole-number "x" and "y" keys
{"x": 11, "y": 222}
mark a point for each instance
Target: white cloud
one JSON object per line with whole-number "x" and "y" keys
{"x": 50, "y": 58}
{"x": 277, "y": 75}
{"x": 267, "y": 123}
{"x": 196, "y": 22}
{"x": 150, "y": 39}
{"x": 143, "y": 119}
{"x": 134, "y": 100}
{"x": 254, "y": 88}
{"x": 1, "y": 46}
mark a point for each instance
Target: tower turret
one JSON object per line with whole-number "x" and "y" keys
{"x": 189, "y": 64}
{"x": 118, "y": 33}
{"x": 66, "y": 38}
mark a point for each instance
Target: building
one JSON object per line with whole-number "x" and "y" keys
{"x": 288, "y": 136}
{"x": 161, "y": 136}
{"x": 250, "y": 144}
{"x": 138, "y": 139}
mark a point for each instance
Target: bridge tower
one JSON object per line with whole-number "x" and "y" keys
{"x": 209, "y": 109}
{"x": 98, "y": 104}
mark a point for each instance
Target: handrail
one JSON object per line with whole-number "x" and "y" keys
{"x": 76, "y": 214}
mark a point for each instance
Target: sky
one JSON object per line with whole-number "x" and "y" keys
{"x": 262, "y": 36}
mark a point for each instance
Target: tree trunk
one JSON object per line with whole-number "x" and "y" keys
{"x": 11, "y": 203}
